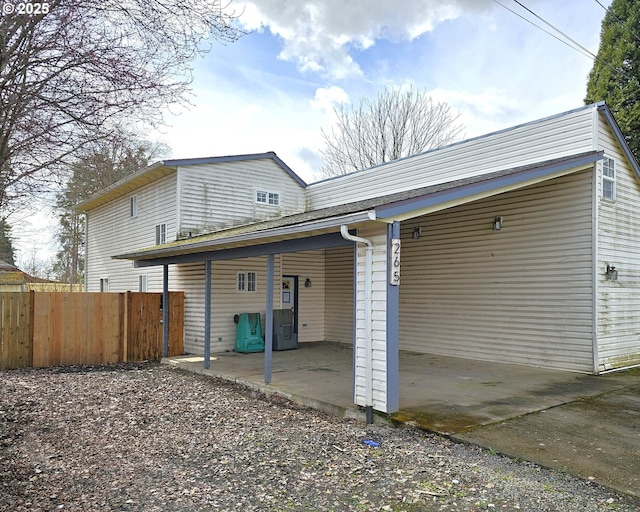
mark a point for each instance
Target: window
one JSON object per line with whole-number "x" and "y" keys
{"x": 133, "y": 206}
{"x": 161, "y": 234}
{"x": 247, "y": 282}
{"x": 104, "y": 284}
{"x": 608, "y": 178}
{"x": 270, "y": 198}
{"x": 142, "y": 283}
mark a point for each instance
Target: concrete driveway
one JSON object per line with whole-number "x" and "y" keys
{"x": 585, "y": 425}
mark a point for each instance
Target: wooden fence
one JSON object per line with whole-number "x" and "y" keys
{"x": 63, "y": 328}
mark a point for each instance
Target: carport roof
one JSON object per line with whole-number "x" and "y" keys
{"x": 387, "y": 208}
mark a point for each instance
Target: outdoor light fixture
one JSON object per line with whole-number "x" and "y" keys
{"x": 611, "y": 273}
{"x": 497, "y": 223}
{"x": 307, "y": 283}
{"x": 416, "y": 233}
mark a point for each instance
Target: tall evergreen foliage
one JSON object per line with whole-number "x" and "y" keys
{"x": 6, "y": 244}
{"x": 615, "y": 76}
{"x": 102, "y": 165}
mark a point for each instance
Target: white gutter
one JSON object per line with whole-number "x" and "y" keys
{"x": 368, "y": 338}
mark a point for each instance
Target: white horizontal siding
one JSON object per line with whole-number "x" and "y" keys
{"x": 338, "y": 305}
{"x": 378, "y": 235}
{"x": 519, "y": 295}
{"x": 226, "y": 301}
{"x": 555, "y": 137}
{"x": 190, "y": 279}
{"x": 618, "y": 302}
{"x": 215, "y": 196}
{"x": 111, "y": 230}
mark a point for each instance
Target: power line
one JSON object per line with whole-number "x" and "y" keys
{"x": 575, "y": 45}
{"x": 557, "y": 30}
{"x": 587, "y": 54}
{"x": 618, "y": 20}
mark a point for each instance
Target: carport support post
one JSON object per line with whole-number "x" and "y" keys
{"x": 268, "y": 327}
{"x": 165, "y": 310}
{"x": 393, "y": 327}
{"x": 207, "y": 314}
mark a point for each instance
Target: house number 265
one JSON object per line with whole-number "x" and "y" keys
{"x": 394, "y": 262}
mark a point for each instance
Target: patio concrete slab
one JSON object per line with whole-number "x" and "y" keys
{"x": 586, "y": 425}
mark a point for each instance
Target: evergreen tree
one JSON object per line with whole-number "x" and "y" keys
{"x": 615, "y": 76}
{"x": 6, "y": 244}
{"x": 104, "y": 164}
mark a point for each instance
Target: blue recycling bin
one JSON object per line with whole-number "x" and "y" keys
{"x": 249, "y": 333}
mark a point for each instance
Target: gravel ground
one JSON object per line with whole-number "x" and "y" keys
{"x": 146, "y": 437}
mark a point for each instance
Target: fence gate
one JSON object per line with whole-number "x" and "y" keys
{"x": 144, "y": 325}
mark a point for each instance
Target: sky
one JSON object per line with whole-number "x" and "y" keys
{"x": 275, "y": 89}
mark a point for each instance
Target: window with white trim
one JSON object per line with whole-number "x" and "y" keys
{"x": 133, "y": 206}
{"x": 161, "y": 234}
{"x": 608, "y": 178}
{"x": 104, "y": 284}
{"x": 142, "y": 283}
{"x": 266, "y": 197}
{"x": 247, "y": 282}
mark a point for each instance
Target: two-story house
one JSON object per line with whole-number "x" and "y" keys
{"x": 519, "y": 246}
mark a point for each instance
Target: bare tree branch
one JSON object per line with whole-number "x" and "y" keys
{"x": 72, "y": 73}
{"x": 398, "y": 123}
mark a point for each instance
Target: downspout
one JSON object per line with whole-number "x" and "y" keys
{"x": 368, "y": 341}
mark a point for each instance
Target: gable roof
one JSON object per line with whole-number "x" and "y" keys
{"x": 617, "y": 132}
{"x": 164, "y": 168}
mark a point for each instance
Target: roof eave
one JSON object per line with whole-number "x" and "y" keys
{"x": 302, "y": 229}
{"x": 606, "y": 111}
{"x": 416, "y": 206}
{"x": 115, "y": 190}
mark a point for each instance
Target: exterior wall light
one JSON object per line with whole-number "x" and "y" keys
{"x": 416, "y": 233}
{"x": 497, "y": 223}
{"x": 611, "y": 273}
{"x": 307, "y": 283}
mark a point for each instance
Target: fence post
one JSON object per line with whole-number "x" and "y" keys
{"x": 125, "y": 308}
{"x": 32, "y": 315}
{"x": 1, "y": 333}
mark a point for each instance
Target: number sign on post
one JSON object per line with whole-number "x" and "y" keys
{"x": 394, "y": 262}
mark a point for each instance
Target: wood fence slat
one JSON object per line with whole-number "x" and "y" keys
{"x": 15, "y": 328}
{"x": 176, "y": 324}
{"x": 44, "y": 325}
{"x": 65, "y": 328}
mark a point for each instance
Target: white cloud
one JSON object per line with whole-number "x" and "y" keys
{"x": 320, "y": 36}
{"x": 327, "y": 98}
